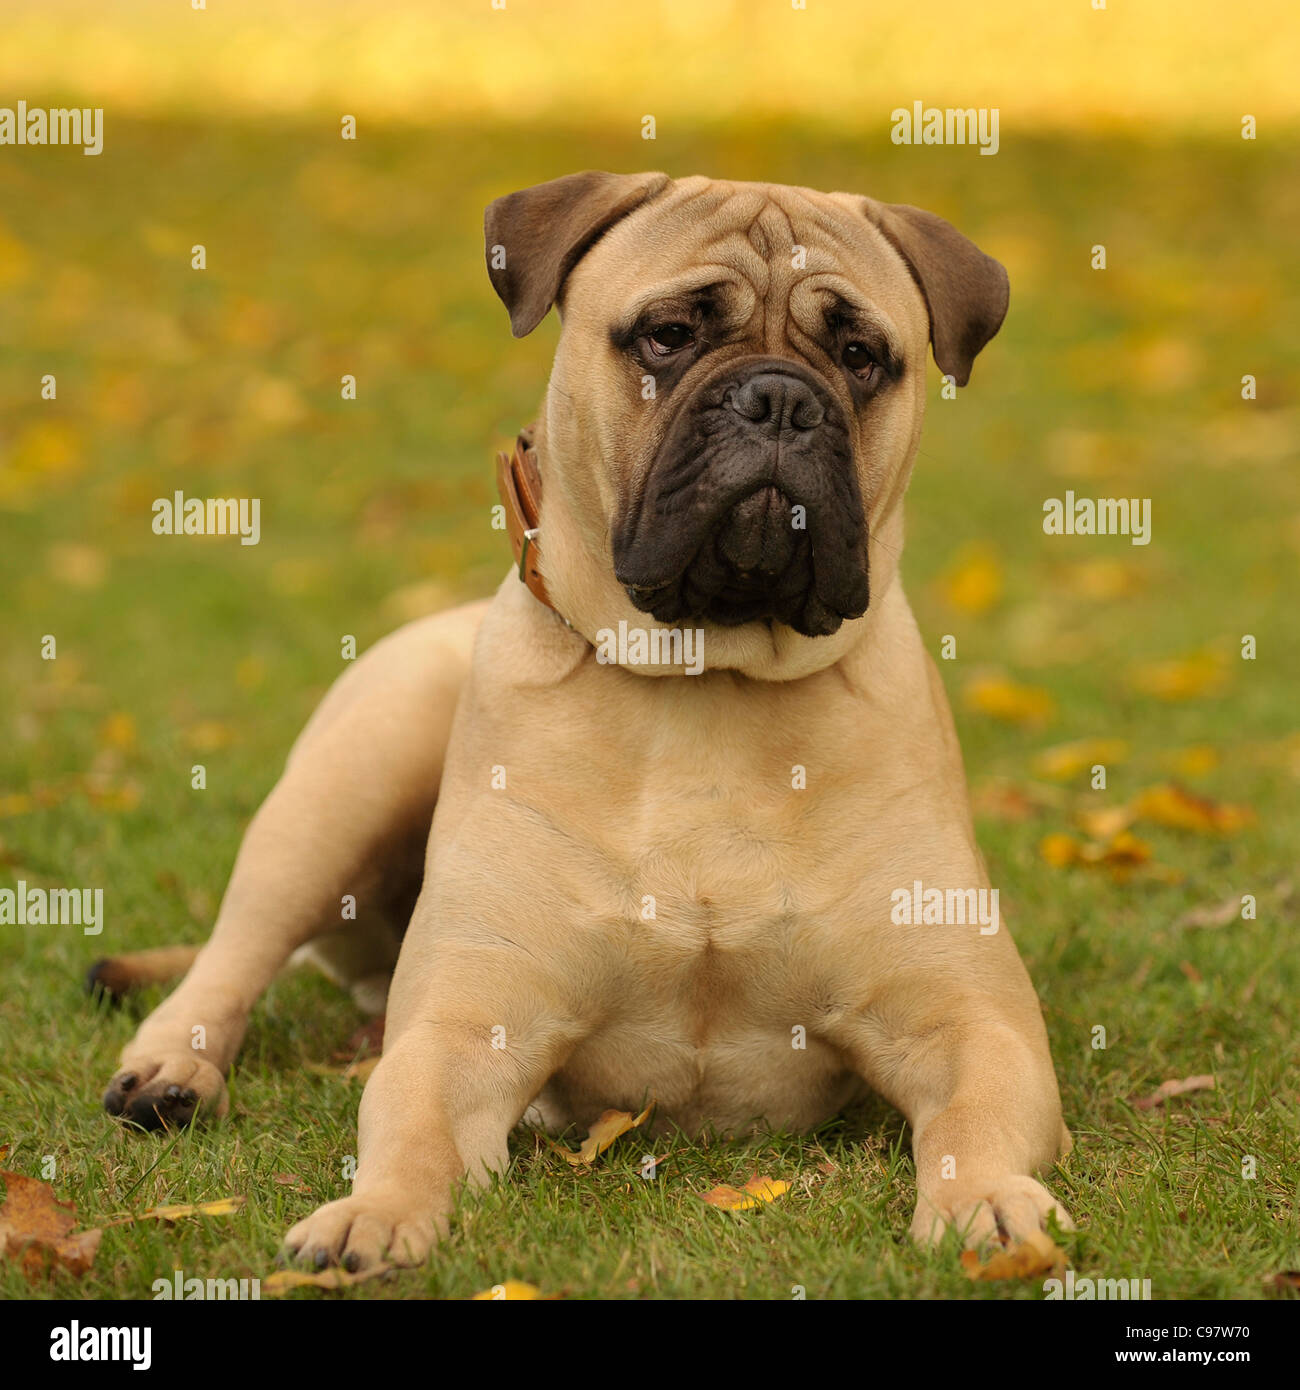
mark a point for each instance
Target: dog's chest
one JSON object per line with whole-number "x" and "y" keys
{"x": 713, "y": 923}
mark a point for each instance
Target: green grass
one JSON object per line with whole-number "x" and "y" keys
{"x": 325, "y": 259}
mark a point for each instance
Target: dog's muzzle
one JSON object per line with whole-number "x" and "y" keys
{"x": 751, "y": 508}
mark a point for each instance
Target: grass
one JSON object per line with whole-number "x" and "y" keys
{"x": 325, "y": 259}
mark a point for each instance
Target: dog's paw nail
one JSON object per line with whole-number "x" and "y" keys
{"x": 189, "y": 1096}
{"x": 124, "y": 1083}
{"x": 320, "y": 1258}
{"x": 172, "y": 1093}
{"x": 352, "y": 1262}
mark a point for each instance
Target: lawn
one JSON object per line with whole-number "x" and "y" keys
{"x": 326, "y": 258}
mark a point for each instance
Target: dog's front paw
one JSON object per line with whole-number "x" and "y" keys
{"x": 1008, "y": 1208}
{"x": 359, "y": 1231}
{"x": 167, "y": 1091}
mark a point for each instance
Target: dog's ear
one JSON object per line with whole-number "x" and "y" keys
{"x": 536, "y": 236}
{"x": 966, "y": 292}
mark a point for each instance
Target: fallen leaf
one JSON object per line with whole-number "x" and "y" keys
{"x": 354, "y": 1071}
{"x": 1212, "y": 915}
{"x": 1123, "y": 854}
{"x": 1284, "y": 1279}
{"x": 35, "y": 1229}
{"x": 974, "y": 583}
{"x": 1174, "y": 1088}
{"x": 222, "y": 1206}
{"x": 1067, "y": 760}
{"x": 78, "y": 566}
{"x": 1182, "y": 678}
{"x": 285, "y": 1279}
{"x": 209, "y": 736}
{"x": 1014, "y": 801}
{"x": 1103, "y": 579}
{"x": 754, "y": 1193}
{"x": 509, "y": 1290}
{"x": 1198, "y": 760}
{"x": 1170, "y": 805}
{"x": 1106, "y": 822}
{"x": 1036, "y": 1257}
{"x": 1005, "y": 699}
{"x": 603, "y": 1133}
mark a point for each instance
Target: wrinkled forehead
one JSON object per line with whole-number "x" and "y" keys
{"x": 788, "y": 250}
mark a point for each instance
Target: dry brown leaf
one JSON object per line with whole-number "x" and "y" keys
{"x": 756, "y": 1191}
{"x": 1013, "y": 801}
{"x": 509, "y": 1290}
{"x": 1212, "y": 914}
{"x": 285, "y": 1279}
{"x": 1036, "y": 1257}
{"x": 35, "y": 1229}
{"x": 603, "y": 1133}
{"x": 1174, "y": 1088}
{"x": 1284, "y": 1279}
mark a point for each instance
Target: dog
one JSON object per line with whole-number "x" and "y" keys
{"x": 597, "y": 878}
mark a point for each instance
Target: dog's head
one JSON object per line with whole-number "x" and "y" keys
{"x": 736, "y": 397}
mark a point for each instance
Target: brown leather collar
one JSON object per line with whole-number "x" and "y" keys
{"x": 519, "y": 481}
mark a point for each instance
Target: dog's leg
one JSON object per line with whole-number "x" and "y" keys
{"x": 975, "y": 1081}
{"x": 350, "y": 813}
{"x": 982, "y": 1099}
{"x": 440, "y": 1105}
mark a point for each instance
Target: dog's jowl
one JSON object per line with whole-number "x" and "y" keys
{"x": 615, "y": 875}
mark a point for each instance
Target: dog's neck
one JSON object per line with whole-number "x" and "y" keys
{"x": 519, "y": 484}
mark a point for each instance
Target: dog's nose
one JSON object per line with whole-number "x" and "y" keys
{"x": 783, "y": 403}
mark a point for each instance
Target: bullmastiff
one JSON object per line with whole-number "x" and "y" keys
{"x": 648, "y": 825}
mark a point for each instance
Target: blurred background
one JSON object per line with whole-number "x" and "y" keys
{"x": 1120, "y": 126}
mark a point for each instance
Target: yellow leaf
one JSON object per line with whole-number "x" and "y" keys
{"x": 117, "y": 731}
{"x": 1182, "y": 678}
{"x": 974, "y": 583}
{"x": 755, "y": 1192}
{"x": 1003, "y": 698}
{"x": 603, "y": 1133}
{"x": 1195, "y": 761}
{"x": 223, "y": 1206}
{"x": 1036, "y": 1257}
{"x": 1068, "y": 760}
{"x": 1169, "y": 805}
{"x": 76, "y": 565}
{"x": 1103, "y": 579}
{"x": 209, "y": 736}
{"x": 510, "y": 1289}
{"x": 285, "y": 1279}
{"x": 1106, "y": 822}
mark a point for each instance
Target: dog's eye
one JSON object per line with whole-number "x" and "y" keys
{"x": 858, "y": 359}
{"x": 672, "y": 337}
